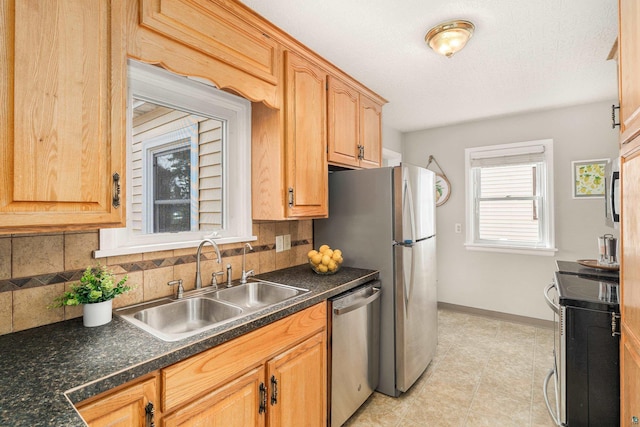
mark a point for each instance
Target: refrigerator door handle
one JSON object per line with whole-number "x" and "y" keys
{"x": 408, "y": 198}
{"x": 408, "y": 207}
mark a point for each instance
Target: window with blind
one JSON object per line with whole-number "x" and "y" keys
{"x": 510, "y": 197}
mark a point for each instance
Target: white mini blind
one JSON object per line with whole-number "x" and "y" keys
{"x": 507, "y": 203}
{"x": 528, "y": 154}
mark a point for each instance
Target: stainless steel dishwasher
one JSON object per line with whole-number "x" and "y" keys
{"x": 355, "y": 349}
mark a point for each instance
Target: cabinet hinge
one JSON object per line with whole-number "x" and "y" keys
{"x": 290, "y": 197}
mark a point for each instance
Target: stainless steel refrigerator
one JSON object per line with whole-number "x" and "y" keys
{"x": 384, "y": 219}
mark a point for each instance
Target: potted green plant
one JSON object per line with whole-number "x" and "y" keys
{"x": 95, "y": 292}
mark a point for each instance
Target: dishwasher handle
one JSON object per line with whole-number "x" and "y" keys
{"x": 361, "y": 302}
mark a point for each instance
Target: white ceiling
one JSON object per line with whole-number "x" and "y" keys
{"x": 524, "y": 55}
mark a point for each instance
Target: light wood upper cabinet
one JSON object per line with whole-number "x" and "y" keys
{"x": 628, "y": 72}
{"x": 289, "y": 176}
{"x": 126, "y": 407}
{"x": 62, "y": 134}
{"x": 343, "y": 123}
{"x": 219, "y": 40}
{"x": 370, "y": 132}
{"x": 354, "y": 127}
{"x": 306, "y": 138}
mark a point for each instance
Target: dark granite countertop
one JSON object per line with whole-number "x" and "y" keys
{"x": 45, "y": 370}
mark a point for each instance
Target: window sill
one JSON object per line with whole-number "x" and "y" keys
{"x": 156, "y": 247}
{"x": 521, "y": 250}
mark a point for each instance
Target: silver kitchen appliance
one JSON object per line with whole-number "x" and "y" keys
{"x": 355, "y": 348}
{"x": 384, "y": 219}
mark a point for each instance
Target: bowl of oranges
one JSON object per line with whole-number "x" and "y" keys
{"x": 325, "y": 260}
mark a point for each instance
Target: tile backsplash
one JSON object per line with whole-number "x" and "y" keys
{"x": 35, "y": 268}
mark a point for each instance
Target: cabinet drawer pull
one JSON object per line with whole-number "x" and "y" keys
{"x": 274, "y": 390}
{"x": 150, "y": 413}
{"x": 290, "y": 197}
{"x": 116, "y": 190}
{"x": 263, "y": 399}
{"x": 613, "y": 116}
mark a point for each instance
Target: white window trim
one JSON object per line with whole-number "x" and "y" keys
{"x": 146, "y": 79}
{"x": 159, "y": 144}
{"x": 548, "y": 208}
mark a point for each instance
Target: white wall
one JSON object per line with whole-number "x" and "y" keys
{"x": 391, "y": 138}
{"x": 511, "y": 283}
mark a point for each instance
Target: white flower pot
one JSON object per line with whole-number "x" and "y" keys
{"x": 97, "y": 314}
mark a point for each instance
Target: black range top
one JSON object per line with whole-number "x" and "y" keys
{"x": 586, "y": 287}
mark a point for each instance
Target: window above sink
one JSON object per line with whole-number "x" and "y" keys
{"x": 188, "y": 165}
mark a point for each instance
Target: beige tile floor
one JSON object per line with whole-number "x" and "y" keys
{"x": 486, "y": 372}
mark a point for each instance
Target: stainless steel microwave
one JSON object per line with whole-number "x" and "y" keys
{"x": 612, "y": 193}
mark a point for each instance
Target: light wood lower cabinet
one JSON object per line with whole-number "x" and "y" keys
{"x": 274, "y": 376}
{"x": 297, "y": 385}
{"x": 630, "y": 383}
{"x": 232, "y": 405}
{"x": 126, "y": 407}
{"x": 630, "y": 289}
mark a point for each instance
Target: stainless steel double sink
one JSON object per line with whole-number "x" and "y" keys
{"x": 175, "y": 319}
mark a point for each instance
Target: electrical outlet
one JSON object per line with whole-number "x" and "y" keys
{"x": 279, "y": 243}
{"x": 458, "y": 228}
{"x": 287, "y": 242}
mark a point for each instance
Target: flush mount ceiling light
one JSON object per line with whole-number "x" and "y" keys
{"x": 449, "y": 37}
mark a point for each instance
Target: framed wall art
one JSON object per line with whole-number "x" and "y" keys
{"x": 588, "y": 178}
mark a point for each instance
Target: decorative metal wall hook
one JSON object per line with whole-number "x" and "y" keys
{"x": 443, "y": 186}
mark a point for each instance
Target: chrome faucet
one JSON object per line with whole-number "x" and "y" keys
{"x": 245, "y": 273}
{"x": 198, "y": 253}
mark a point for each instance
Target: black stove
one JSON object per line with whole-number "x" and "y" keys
{"x": 586, "y": 368}
{"x": 585, "y": 287}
